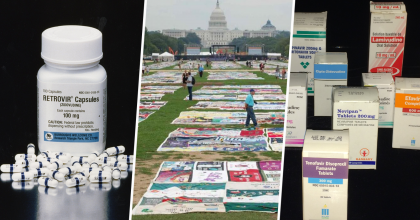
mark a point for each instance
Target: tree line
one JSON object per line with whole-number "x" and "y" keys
{"x": 156, "y": 42}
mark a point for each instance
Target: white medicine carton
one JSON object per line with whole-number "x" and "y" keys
{"x": 406, "y": 132}
{"x": 387, "y": 37}
{"x": 357, "y": 109}
{"x": 296, "y": 110}
{"x": 330, "y": 70}
{"x": 325, "y": 159}
{"x": 386, "y": 88}
{"x": 309, "y": 37}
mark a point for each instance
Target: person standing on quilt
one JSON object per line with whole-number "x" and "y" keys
{"x": 190, "y": 84}
{"x": 201, "y": 70}
{"x": 249, "y": 106}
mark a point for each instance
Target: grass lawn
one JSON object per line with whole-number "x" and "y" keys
{"x": 155, "y": 129}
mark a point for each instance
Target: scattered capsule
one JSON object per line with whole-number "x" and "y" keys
{"x": 107, "y": 169}
{"x": 77, "y": 166}
{"x": 22, "y": 176}
{"x": 40, "y": 164}
{"x": 119, "y": 165}
{"x": 100, "y": 177}
{"x": 44, "y": 154}
{"x": 104, "y": 154}
{"x": 86, "y": 165}
{"x": 31, "y": 148}
{"x": 57, "y": 175}
{"x": 11, "y": 168}
{"x": 24, "y": 156}
{"x": 126, "y": 158}
{"x": 48, "y": 159}
{"x": 115, "y": 150}
{"x": 55, "y": 165}
{"x": 105, "y": 160}
{"x": 39, "y": 172}
{"x": 93, "y": 156}
{"x": 80, "y": 159}
{"x": 62, "y": 158}
{"x": 94, "y": 165}
{"x": 76, "y": 181}
{"x": 81, "y": 174}
{"x": 116, "y": 174}
{"x": 48, "y": 182}
{"x": 23, "y": 163}
{"x": 68, "y": 171}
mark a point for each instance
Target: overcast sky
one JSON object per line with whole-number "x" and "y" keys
{"x": 241, "y": 14}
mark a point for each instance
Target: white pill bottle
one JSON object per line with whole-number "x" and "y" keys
{"x": 72, "y": 91}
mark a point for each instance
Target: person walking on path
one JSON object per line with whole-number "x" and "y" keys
{"x": 184, "y": 79}
{"x": 147, "y": 70}
{"x": 179, "y": 64}
{"x": 201, "y": 70}
{"x": 278, "y": 72}
{"x": 249, "y": 106}
{"x": 190, "y": 83}
{"x": 143, "y": 69}
{"x": 283, "y": 73}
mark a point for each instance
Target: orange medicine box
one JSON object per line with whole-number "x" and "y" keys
{"x": 406, "y": 132}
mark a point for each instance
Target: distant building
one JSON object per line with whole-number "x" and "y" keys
{"x": 219, "y": 34}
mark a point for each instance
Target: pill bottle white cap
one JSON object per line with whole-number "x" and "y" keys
{"x": 71, "y": 44}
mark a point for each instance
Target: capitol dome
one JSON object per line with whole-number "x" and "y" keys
{"x": 268, "y": 26}
{"x": 217, "y": 19}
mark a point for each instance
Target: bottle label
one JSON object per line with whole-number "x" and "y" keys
{"x": 72, "y": 112}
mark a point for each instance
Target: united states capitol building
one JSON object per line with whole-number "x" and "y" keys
{"x": 218, "y": 33}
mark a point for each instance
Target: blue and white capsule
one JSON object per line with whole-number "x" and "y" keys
{"x": 93, "y": 156}
{"x": 85, "y": 165}
{"x": 24, "y": 162}
{"x": 55, "y": 165}
{"x": 30, "y": 148}
{"x": 76, "y": 181}
{"x": 57, "y": 175}
{"x": 39, "y": 172}
{"x": 94, "y": 165}
{"x": 11, "y": 168}
{"x": 116, "y": 174}
{"x": 100, "y": 177}
{"x": 41, "y": 164}
{"x": 24, "y": 156}
{"x": 67, "y": 171}
{"x": 47, "y": 182}
{"x": 44, "y": 154}
{"x": 120, "y": 165}
{"x": 24, "y": 176}
{"x": 48, "y": 159}
{"x": 115, "y": 150}
{"x": 126, "y": 158}
{"x": 105, "y": 160}
{"x": 81, "y": 160}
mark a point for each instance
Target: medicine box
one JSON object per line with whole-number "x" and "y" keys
{"x": 330, "y": 70}
{"x": 296, "y": 110}
{"x": 325, "y": 160}
{"x": 386, "y": 88}
{"x": 406, "y": 132}
{"x": 388, "y": 22}
{"x": 357, "y": 109}
{"x": 309, "y": 37}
